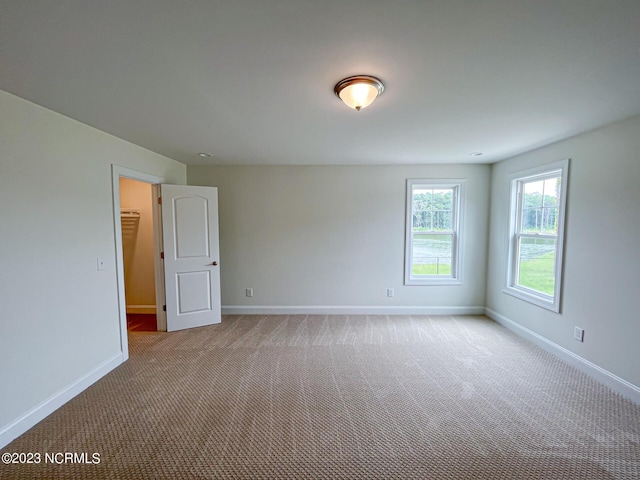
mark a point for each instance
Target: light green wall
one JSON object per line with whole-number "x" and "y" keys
{"x": 602, "y": 259}
{"x": 334, "y": 235}
{"x": 59, "y": 315}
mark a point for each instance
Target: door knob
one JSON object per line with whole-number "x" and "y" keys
{"x": 215, "y": 264}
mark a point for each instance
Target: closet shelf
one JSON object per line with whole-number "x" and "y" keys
{"x": 129, "y": 213}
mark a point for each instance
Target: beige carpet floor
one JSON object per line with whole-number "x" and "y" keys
{"x": 333, "y": 397}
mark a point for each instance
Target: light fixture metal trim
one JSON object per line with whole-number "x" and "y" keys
{"x": 368, "y": 80}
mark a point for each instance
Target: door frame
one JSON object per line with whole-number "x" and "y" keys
{"x": 118, "y": 172}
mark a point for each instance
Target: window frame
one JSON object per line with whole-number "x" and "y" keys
{"x": 516, "y": 198}
{"x": 455, "y": 278}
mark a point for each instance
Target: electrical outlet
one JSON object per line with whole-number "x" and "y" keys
{"x": 578, "y": 334}
{"x": 100, "y": 264}
{"x": 249, "y": 292}
{"x": 390, "y": 292}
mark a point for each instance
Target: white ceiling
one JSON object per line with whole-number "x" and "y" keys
{"x": 251, "y": 81}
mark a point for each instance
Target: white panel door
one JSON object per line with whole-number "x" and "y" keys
{"x": 191, "y": 255}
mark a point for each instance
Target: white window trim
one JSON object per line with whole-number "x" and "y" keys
{"x": 545, "y": 301}
{"x": 456, "y": 257}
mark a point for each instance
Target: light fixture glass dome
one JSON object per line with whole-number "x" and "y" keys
{"x": 359, "y": 91}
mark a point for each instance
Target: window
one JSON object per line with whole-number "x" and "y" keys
{"x": 432, "y": 255}
{"x": 536, "y": 234}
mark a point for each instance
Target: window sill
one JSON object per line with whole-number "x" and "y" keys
{"x": 547, "y": 303}
{"x": 432, "y": 281}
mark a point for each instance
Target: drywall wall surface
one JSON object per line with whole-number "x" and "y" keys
{"x": 137, "y": 245}
{"x": 601, "y": 255}
{"x": 59, "y": 314}
{"x": 335, "y": 235}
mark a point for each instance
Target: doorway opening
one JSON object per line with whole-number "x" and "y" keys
{"x": 136, "y": 220}
{"x": 138, "y": 238}
{"x": 188, "y": 280}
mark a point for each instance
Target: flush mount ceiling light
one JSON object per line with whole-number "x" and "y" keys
{"x": 359, "y": 91}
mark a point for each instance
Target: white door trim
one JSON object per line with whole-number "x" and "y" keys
{"x": 116, "y": 172}
{"x": 158, "y": 264}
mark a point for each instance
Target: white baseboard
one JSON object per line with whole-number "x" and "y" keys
{"x": 141, "y": 309}
{"x": 347, "y": 310}
{"x": 616, "y": 383}
{"x": 13, "y": 430}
